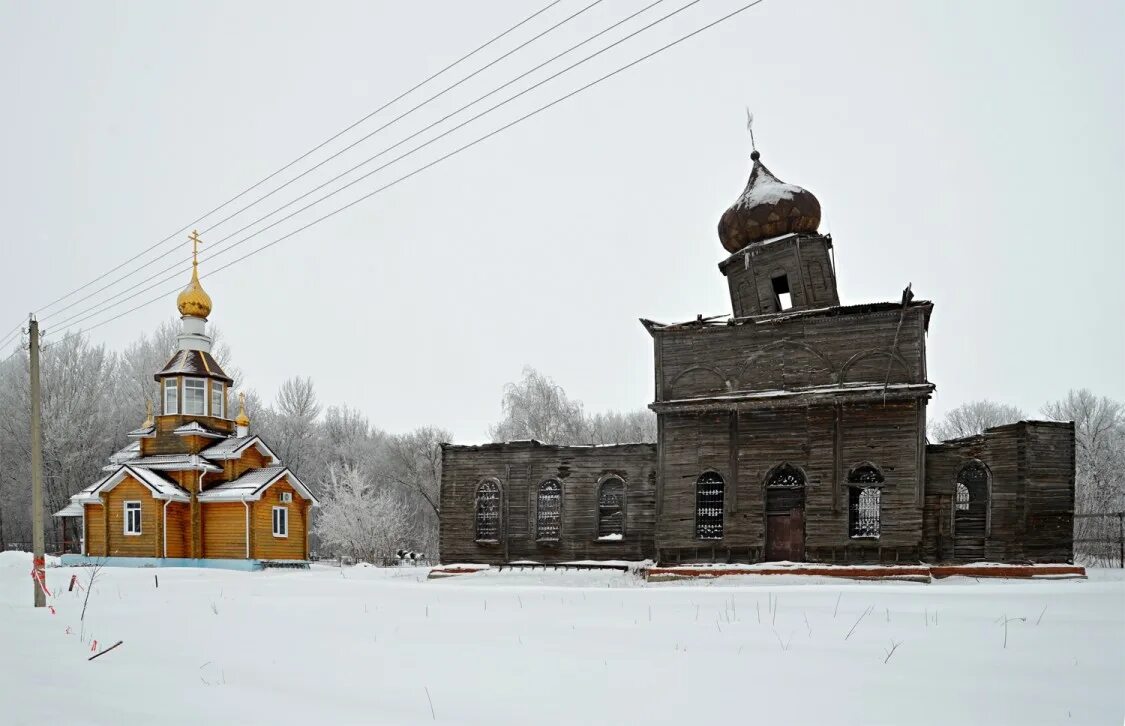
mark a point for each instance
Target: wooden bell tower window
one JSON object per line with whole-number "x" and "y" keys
{"x": 488, "y": 511}
{"x": 709, "y": 499}
{"x": 782, "y": 298}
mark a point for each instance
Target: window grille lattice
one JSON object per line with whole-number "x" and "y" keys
{"x": 488, "y": 511}
{"x": 786, "y": 476}
{"x": 548, "y": 511}
{"x": 865, "y": 474}
{"x": 863, "y": 512}
{"x": 961, "y": 499}
{"x": 611, "y": 508}
{"x": 709, "y": 506}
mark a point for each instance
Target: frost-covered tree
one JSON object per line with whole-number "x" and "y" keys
{"x": 535, "y": 407}
{"x": 972, "y": 418}
{"x": 291, "y": 426}
{"x": 358, "y": 517}
{"x": 1099, "y": 453}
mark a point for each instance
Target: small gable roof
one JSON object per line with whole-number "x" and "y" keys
{"x": 160, "y": 487}
{"x": 250, "y": 486}
{"x": 197, "y": 429}
{"x": 169, "y": 462}
{"x": 234, "y": 447}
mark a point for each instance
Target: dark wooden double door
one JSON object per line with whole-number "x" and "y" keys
{"x": 785, "y": 524}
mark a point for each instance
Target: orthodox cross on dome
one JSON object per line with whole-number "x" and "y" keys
{"x": 750, "y": 127}
{"x": 194, "y": 237}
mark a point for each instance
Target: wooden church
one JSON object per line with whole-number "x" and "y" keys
{"x": 195, "y": 486}
{"x": 794, "y": 429}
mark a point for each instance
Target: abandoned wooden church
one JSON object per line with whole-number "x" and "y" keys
{"x": 793, "y": 430}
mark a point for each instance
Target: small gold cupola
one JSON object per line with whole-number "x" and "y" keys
{"x": 193, "y": 301}
{"x": 242, "y": 421}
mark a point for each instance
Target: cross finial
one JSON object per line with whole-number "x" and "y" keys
{"x": 750, "y": 128}
{"x": 194, "y": 237}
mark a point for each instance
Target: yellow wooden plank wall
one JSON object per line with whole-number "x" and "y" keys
{"x": 264, "y": 546}
{"x": 224, "y": 530}
{"x": 95, "y": 530}
{"x": 146, "y": 544}
{"x": 178, "y": 518}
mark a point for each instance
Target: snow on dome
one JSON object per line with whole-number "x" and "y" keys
{"x": 768, "y": 207}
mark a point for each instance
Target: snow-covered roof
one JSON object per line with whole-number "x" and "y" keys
{"x": 196, "y": 429}
{"x": 896, "y": 390}
{"x": 74, "y": 509}
{"x": 130, "y": 452}
{"x": 160, "y": 487}
{"x": 141, "y": 433}
{"x": 234, "y": 447}
{"x": 251, "y": 485}
{"x": 723, "y": 321}
{"x": 169, "y": 462}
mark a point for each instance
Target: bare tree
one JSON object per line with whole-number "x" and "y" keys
{"x": 413, "y": 461}
{"x": 972, "y": 418}
{"x": 621, "y": 428}
{"x": 292, "y": 426}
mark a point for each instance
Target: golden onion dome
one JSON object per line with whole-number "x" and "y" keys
{"x": 242, "y": 419}
{"x": 193, "y": 300}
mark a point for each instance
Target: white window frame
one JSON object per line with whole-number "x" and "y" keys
{"x": 203, "y": 411}
{"x": 175, "y": 388}
{"x": 283, "y": 519}
{"x": 128, "y": 510}
{"x": 217, "y": 388}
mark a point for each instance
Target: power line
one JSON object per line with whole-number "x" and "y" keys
{"x": 10, "y": 333}
{"x": 446, "y": 156}
{"x": 305, "y": 155}
{"x": 319, "y": 165}
{"x": 103, "y": 305}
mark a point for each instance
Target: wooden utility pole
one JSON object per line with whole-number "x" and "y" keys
{"x": 39, "y": 571}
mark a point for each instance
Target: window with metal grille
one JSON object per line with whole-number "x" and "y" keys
{"x": 863, "y": 511}
{"x": 611, "y": 509}
{"x": 548, "y": 511}
{"x": 961, "y": 499}
{"x": 488, "y": 511}
{"x": 709, "y": 506}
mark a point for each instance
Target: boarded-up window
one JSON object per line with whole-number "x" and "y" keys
{"x": 488, "y": 511}
{"x": 548, "y": 510}
{"x": 709, "y": 506}
{"x": 863, "y": 511}
{"x": 611, "y": 509}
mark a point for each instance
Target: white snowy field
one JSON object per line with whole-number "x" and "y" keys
{"x": 373, "y": 646}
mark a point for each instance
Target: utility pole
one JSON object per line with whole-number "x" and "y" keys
{"x": 39, "y": 570}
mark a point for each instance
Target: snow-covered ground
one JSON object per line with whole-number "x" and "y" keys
{"x": 368, "y": 645}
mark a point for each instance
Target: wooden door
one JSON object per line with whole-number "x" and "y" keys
{"x": 785, "y": 525}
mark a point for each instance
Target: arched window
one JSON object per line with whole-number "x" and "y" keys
{"x": 786, "y": 476}
{"x": 611, "y": 509}
{"x": 864, "y": 514}
{"x": 488, "y": 511}
{"x": 548, "y": 511}
{"x": 709, "y": 506}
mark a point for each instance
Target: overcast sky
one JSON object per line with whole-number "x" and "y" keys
{"x": 974, "y": 149}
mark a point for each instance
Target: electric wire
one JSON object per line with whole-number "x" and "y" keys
{"x": 321, "y": 163}
{"x": 456, "y": 151}
{"x": 178, "y": 266}
{"x": 305, "y": 155}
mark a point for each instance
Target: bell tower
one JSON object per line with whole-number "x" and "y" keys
{"x": 778, "y": 262}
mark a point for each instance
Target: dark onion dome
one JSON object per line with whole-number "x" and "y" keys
{"x": 767, "y": 208}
